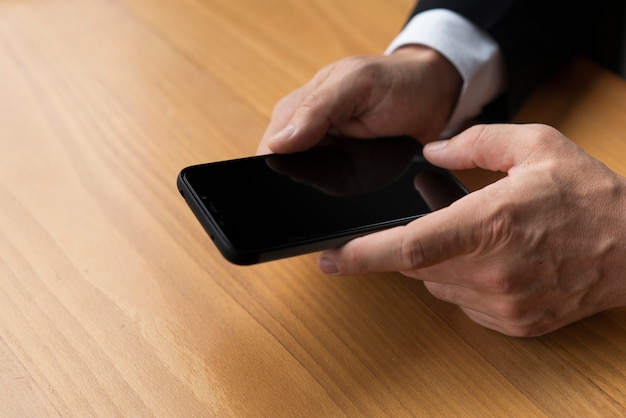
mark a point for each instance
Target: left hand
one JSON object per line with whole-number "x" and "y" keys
{"x": 537, "y": 250}
{"x": 410, "y": 92}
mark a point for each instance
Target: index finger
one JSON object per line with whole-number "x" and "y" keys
{"x": 282, "y": 113}
{"x": 313, "y": 113}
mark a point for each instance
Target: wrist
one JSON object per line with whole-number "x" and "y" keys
{"x": 475, "y": 55}
{"x": 443, "y": 78}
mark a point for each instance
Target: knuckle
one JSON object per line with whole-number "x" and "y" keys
{"x": 351, "y": 66}
{"x": 280, "y": 105}
{"x": 289, "y": 102}
{"x": 479, "y": 131}
{"x": 526, "y": 327}
{"x": 519, "y": 317}
{"x": 441, "y": 291}
{"x": 499, "y": 284}
{"x": 539, "y": 130}
{"x": 359, "y": 263}
{"x": 362, "y": 70}
{"x": 499, "y": 227}
{"x": 513, "y": 312}
{"x": 540, "y": 137}
{"x": 354, "y": 259}
{"x": 313, "y": 99}
{"x": 514, "y": 326}
{"x": 412, "y": 254}
{"x": 315, "y": 105}
{"x": 480, "y": 134}
{"x": 521, "y": 332}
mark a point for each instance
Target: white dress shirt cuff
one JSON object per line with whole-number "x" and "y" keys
{"x": 472, "y": 51}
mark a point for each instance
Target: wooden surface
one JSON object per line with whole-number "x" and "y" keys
{"x": 113, "y": 301}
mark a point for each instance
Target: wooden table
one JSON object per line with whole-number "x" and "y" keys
{"x": 113, "y": 301}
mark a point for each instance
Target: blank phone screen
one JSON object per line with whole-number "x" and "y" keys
{"x": 344, "y": 187}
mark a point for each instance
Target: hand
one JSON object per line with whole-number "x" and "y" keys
{"x": 539, "y": 249}
{"x": 410, "y": 92}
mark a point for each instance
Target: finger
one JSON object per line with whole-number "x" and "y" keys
{"x": 480, "y": 307}
{"x": 331, "y": 99}
{"x": 491, "y": 147}
{"x": 438, "y": 236}
{"x": 508, "y": 314}
{"x": 507, "y": 327}
{"x": 506, "y": 307}
{"x": 282, "y": 113}
{"x": 310, "y": 121}
{"x": 456, "y": 294}
{"x": 486, "y": 321}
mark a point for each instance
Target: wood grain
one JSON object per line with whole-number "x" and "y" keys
{"x": 114, "y": 302}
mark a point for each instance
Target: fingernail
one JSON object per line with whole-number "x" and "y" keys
{"x": 284, "y": 134}
{"x": 436, "y": 146}
{"x": 328, "y": 265}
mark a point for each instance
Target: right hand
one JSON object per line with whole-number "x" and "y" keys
{"x": 541, "y": 248}
{"x": 410, "y": 92}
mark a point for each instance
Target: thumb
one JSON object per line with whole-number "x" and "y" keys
{"x": 426, "y": 241}
{"x": 491, "y": 147}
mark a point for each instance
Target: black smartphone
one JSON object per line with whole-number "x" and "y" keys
{"x": 274, "y": 206}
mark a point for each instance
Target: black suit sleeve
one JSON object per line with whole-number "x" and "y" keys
{"x": 537, "y": 36}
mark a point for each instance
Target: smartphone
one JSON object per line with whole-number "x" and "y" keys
{"x": 268, "y": 207}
